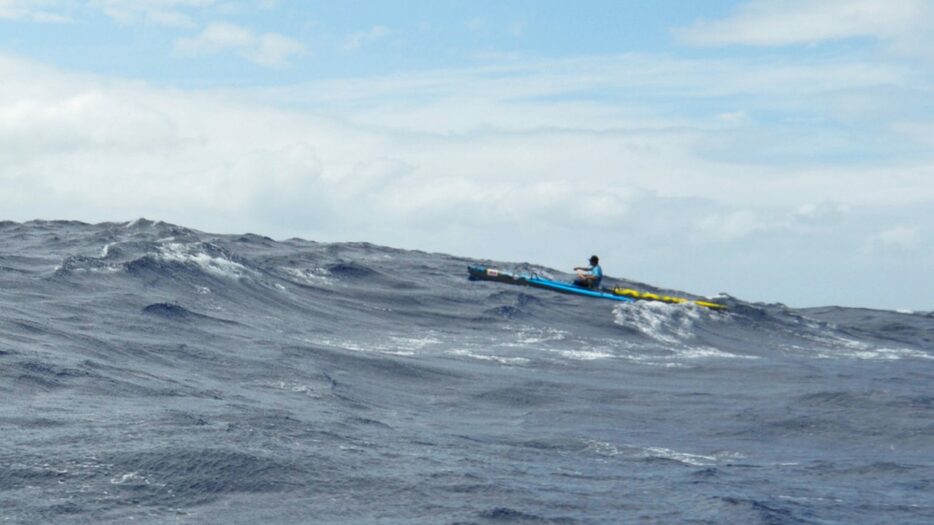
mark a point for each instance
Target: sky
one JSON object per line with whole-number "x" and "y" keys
{"x": 776, "y": 150}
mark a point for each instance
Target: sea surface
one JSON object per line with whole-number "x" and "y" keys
{"x": 151, "y": 373}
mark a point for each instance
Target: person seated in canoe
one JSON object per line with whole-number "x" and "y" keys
{"x": 589, "y": 276}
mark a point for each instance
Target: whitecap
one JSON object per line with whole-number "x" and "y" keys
{"x": 667, "y": 323}
{"x": 311, "y": 276}
{"x": 873, "y": 354}
{"x": 585, "y": 355}
{"x": 602, "y": 448}
{"x": 705, "y": 352}
{"x": 134, "y": 478}
{"x": 372, "y": 347}
{"x": 496, "y": 358}
{"x": 695, "y": 460}
{"x": 413, "y": 343}
{"x": 193, "y": 253}
{"x": 531, "y": 336}
{"x": 297, "y": 388}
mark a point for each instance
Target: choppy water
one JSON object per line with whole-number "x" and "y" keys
{"x": 158, "y": 374}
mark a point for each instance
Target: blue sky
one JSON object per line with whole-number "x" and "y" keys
{"x": 347, "y": 38}
{"x": 777, "y": 150}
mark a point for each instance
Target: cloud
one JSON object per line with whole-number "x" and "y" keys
{"x": 517, "y": 29}
{"x": 728, "y": 227}
{"x": 921, "y": 132}
{"x": 267, "y": 49}
{"x": 167, "y": 13}
{"x": 487, "y": 139}
{"x": 362, "y": 38}
{"x": 570, "y": 91}
{"x": 733, "y": 118}
{"x": 899, "y": 237}
{"x": 32, "y": 10}
{"x": 819, "y": 212}
{"x": 218, "y": 37}
{"x": 275, "y": 50}
{"x": 786, "y": 22}
{"x": 476, "y": 25}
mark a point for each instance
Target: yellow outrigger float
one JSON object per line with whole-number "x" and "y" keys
{"x": 649, "y": 296}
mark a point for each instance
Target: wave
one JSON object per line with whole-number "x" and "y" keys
{"x": 155, "y": 373}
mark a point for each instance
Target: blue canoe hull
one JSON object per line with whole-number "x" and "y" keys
{"x": 482, "y": 273}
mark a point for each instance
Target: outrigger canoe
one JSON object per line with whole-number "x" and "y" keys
{"x": 482, "y": 273}
{"x": 625, "y": 295}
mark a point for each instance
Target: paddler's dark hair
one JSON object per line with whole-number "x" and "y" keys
{"x": 594, "y": 258}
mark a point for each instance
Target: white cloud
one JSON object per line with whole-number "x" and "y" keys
{"x": 274, "y": 50}
{"x": 517, "y": 29}
{"x": 267, "y": 49}
{"x": 218, "y": 36}
{"x": 476, "y": 25}
{"x": 728, "y": 227}
{"x": 815, "y": 212}
{"x": 170, "y": 19}
{"x": 362, "y": 38}
{"x": 784, "y": 22}
{"x": 899, "y": 237}
{"x": 168, "y": 13}
{"x": 918, "y": 131}
{"x": 507, "y": 85}
{"x": 733, "y": 118}
{"x": 448, "y": 140}
{"x": 33, "y": 10}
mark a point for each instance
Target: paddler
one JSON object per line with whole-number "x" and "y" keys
{"x": 589, "y": 276}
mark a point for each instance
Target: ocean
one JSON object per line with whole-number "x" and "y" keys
{"x": 152, "y": 373}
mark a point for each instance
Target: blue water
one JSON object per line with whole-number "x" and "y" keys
{"x": 156, "y": 374}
